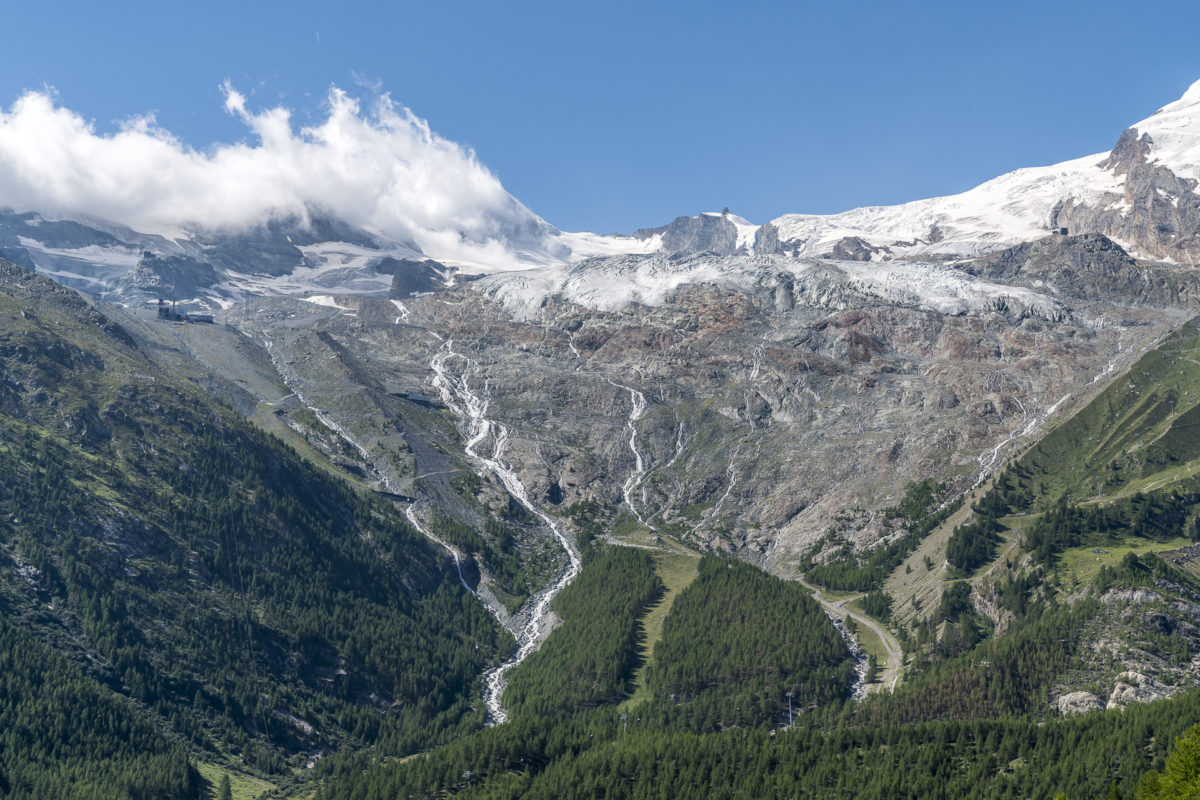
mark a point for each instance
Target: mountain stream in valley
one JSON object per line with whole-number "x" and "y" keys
{"x": 470, "y": 407}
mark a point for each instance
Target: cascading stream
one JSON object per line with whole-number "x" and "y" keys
{"x": 471, "y": 410}
{"x": 640, "y": 406}
{"x": 989, "y": 460}
{"x": 294, "y": 382}
{"x": 403, "y": 309}
{"x": 862, "y": 665}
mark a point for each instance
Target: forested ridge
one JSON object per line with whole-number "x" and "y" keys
{"x": 756, "y": 637}
{"x": 736, "y": 641}
{"x": 65, "y": 735}
{"x": 1086, "y": 757}
{"x": 972, "y": 725}
{"x": 223, "y": 595}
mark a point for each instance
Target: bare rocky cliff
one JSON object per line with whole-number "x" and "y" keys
{"x": 1158, "y": 213}
{"x": 773, "y": 410}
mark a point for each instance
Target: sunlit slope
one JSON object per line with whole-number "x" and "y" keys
{"x": 1142, "y": 433}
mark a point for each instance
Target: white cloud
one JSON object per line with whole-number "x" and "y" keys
{"x": 382, "y": 169}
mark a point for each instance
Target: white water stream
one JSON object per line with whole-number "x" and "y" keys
{"x": 1113, "y": 364}
{"x": 470, "y": 407}
{"x": 640, "y": 406}
{"x": 862, "y": 665}
{"x": 293, "y": 382}
{"x": 403, "y": 309}
{"x": 989, "y": 460}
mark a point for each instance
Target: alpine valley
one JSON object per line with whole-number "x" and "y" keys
{"x": 898, "y": 502}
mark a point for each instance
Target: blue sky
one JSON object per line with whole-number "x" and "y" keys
{"x": 614, "y": 116}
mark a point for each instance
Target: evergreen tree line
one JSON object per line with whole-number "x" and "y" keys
{"x": 736, "y": 641}
{"x": 230, "y": 589}
{"x": 590, "y": 659}
{"x": 972, "y": 545}
{"x": 592, "y": 754}
{"x": 1158, "y": 516}
{"x": 918, "y": 512}
{"x": 64, "y": 735}
{"x": 878, "y": 604}
{"x": 978, "y": 724}
{"x": 1180, "y": 775}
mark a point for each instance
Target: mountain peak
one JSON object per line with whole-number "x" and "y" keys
{"x": 1190, "y": 98}
{"x": 1175, "y": 132}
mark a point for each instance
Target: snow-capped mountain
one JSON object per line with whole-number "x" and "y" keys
{"x": 1102, "y": 192}
{"x": 1141, "y": 194}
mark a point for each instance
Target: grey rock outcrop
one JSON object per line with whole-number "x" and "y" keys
{"x": 1134, "y": 687}
{"x": 703, "y": 233}
{"x": 1074, "y": 703}
{"x": 65, "y": 234}
{"x": 785, "y": 295}
{"x": 1158, "y": 211}
{"x": 852, "y": 248}
{"x": 1090, "y": 267}
{"x": 168, "y": 278}
{"x": 766, "y": 240}
{"x": 273, "y": 248}
{"x": 410, "y": 277}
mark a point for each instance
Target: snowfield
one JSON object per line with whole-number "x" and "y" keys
{"x": 613, "y": 283}
{"x": 1005, "y": 211}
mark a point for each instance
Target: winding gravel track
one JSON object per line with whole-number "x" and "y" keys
{"x": 890, "y": 675}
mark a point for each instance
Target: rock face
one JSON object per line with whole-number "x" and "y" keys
{"x": 66, "y": 234}
{"x": 1158, "y": 212}
{"x": 1134, "y": 687}
{"x": 853, "y": 248}
{"x": 1090, "y": 267}
{"x": 168, "y": 278}
{"x": 202, "y": 268}
{"x": 411, "y": 277}
{"x": 274, "y": 247}
{"x": 1074, "y": 703}
{"x": 704, "y": 233}
{"x": 766, "y": 240}
{"x": 766, "y": 416}
{"x": 785, "y": 295}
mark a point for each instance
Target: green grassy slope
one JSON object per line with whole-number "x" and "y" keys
{"x": 1142, "y": 433}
